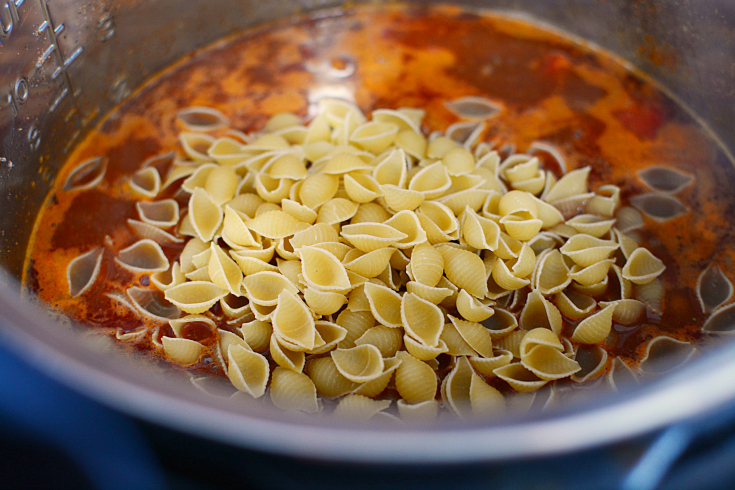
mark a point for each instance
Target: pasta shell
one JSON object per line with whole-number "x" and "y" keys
{"x": 479, "y": 232}
{"x": 422, "y": 412}
{"x": 359, "y": 364}
{"x": 659, "y": 207}
{"x": 549, "y": 363}
{"x": 620, "y": 375}
{"x": 385, "y": 305}
{"x": 415, "y": 380}
{"x": 427, "y": 264}
{"x": 292, "y": 321}
{"x": 665, "y": 179}
{"x": 465, "y": 133}
{"x": 285, "y": 357}
{"x": 552, "y": 274}
{"x": 642, "y": 267}
{"x": 275, "y": 224}
{"x": 205, "y": 214}
{"x": 592, "y": 274}
{"x": 251, "y": 265}
{"x": 152, "y": 304}
{"x": 86, "y": 175}
{"x": 323, "y": 270}
{"x": 627, "y": 244}
{"x": 471, "y": 309}
{"x": 223, "y": 271}
{"x": 235, "y": 306}
{"x": 465, "y": 270}
{"x": 487, "y": 365}
{"x": 591, "y": 225}
{"x": 336, "y": 211}
{"x": 422, "y": 319}
{"x": 182, "y": 351}
{"x": 257, "y": 334}
{"x": 169, "y": 278}
{"x": 248, "y": 371}
{"x": 664, "y": 354}
{"x": 359, "y": 407}
{"x": 370, "y": 264}
{"x": 202, "y": 119}
{"x": 293, "y": 391}
{"x": 713, "y": 288}
{"x": 627, "y": 311}
{"x": 585, "y": 250}
{"x": 501, "y": 323}
{"x": 374, "y": 136}
{"x": 265, "y": 287}
{"x": 387, "y": 340}
{"x": 356, "y": 323}
{"x": 318, "y": 189}
{"x": 652, "y": 294}
{"x": 163, "y": 214}
{"x": 329, "y": 382}
{"x": 143, "y": 256}
{"x": 456, "y": 388}
{"x": 145, "y": 230}
{"x": 592, "y": 361}
{"x": 574, "y": 305}
{"x": 505, "y": 278}
{"x": 474, "y": 107}
{"x": 435, "y": 295}
{"x": 571, "y": 184}
{"x": 605, "y": 202}
{"x": 82, "y": 271}
{"x": 595, "y": 328}
{"x": 628, "y": 219}
{"x": 722, "y": 321}
{"x": 423, "y": 352}
{"x": 458, "y": 201}
{"x": 475, "y": 334}
{"x": 539, "y": 312}
{"x": 371, "y": 236}
{"x": 323, "y": 302}
{"x": 519, "y": 378}
{"x": 431, "y": 181}
{"x": 408, "y": 223}
{"x": 399, "y": 199}
{"x": 195, "y": 296}
{"x": 362, "y": 188}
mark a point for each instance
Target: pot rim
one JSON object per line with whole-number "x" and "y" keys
{"x": 692, "y": 392}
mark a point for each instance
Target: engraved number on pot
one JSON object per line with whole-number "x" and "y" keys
{"x": 34, "y": 137}
{"x": 18, "y": 94}
{"x": 9, "y": 16}
{"x": 106, "y": 26}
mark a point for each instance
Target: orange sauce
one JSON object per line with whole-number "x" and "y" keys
{"x": 585, "y": 102}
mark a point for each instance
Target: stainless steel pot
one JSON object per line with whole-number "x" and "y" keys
{"x": 65, "y": 63}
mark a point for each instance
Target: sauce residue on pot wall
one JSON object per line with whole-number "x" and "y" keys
{"x": 585, "y": 103}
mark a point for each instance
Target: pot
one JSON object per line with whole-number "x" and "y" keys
{"x": 65, "y": 64}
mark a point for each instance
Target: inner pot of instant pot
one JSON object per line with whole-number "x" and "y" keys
{"x": 65, "y": 65}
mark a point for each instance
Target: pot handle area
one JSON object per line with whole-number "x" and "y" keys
{"x": 107, "y": 447}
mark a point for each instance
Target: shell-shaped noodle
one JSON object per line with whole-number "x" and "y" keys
{"x": 371, "y": 236}
{"x": 415, "y": 380}
{"x": 370, "y": 213}
{"x": 324, "y": 302}
{"x": 251, "y": 265}
{"x": 328, "y": 380}
{"x": 422, "y": 412}
{"x": 223, "y": 271}
{"x": 591, "y": 225}
{"x": 133, "y": 337}
{"x": 592, "y": 274}
{"x": 665, "y": 179}
{"x": 359, "y": 407}
{"x": 330, "y": 333}
{"x": 552, "y": 274}
{"x": 402, "y": 120}
{"x": 361, "y": 188}
{"x": 235, "y": 306}
{"x": 474, "y": 107}
{"x": 275, "y": 224}
{"x": 293, "y": 391}
{"x": 195, "y": 296}
{"x": 571, "y": 184}
{"x": 628, "y": 219}
{"x": 356, "y": 323}
{"x": 322, "y": 270}
{"x": 196, "y": 145}
{"x": 519, "y": 378}
{"x": 471, "y": 309}
{"x": 465, "y": 270}
{"x": 205, "y": 214}
{"x": 82, "y": 271}
{"x": 391, "y": 170}
{"x": 627, "y": 311}
{"x": 620, "y": 375}
{"x": 431, "y": 181}
{"x": 664, "y": 354}
{"x": 475, "y": 334}
{"x": 248, "y": 371}
{"x": 652, "y": 294}
{"x": 359, "y": 364}
{"x": 487, "y": 365}
{"x": 605, "y": 202}
{"x": 595, "y": 328}
{"x": 343, "y": 163}
{"x": 285, "y": 357}
{"x": 722, "y": 321}
{"x": 465, "y": 133}
{"x": 484, "y": 399}
{"x": 221, "y": 184}
{"x": 427, "y": 264}
{"x": 505, "y": 278}
{"x": 592, "y": 360}
{"x": 265, "y": 287}
{"x": 501, "y": 323}
{"x": 508, "y": 247}
{"x": 538, "y": 312}
{"x": 627, "y": 244}
{"x": 544, "y": 241}
{"x": 642, "y": 266}
{"x": 479, "y": 232}
{"x": 257, "y": 334}
{"x": 387, "y": 340}
{"x": 152, "y": 304}
{"x": 145, "y": 230}
{"x": 336, "y": 211}
{"x": 435, "y": 295}
{"x": 549, "y": 363}
{"x": 318, "y": 189}
{"x": 407, "y": 223}
{"x": 86, "y": 175}
{"x": 585, "y": 250}
{"x": 292, "y": 321}
{"x": 182, "y": 351}
{"x": 202, "y": 119}
{"x": 574, "y": 305}
{"x": 660, "y": 207}
{"x": 515, "y": 202}
{"x": 455, "y": 388}
{"x": 400, "y": 199}
{"x": 163, "y": 214}
{"x": 423, "y": 352}
{"x": 168, "y": 278}
{"x": 594, "y": 290}
{"x": 143, "y": 256}
{"x": 422, "y": 320}
{"x": 458, "y": 201}
{"x": 370, "y": 264}
{"x": 713, "y": 288}
{"x": 374, "y": 136}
